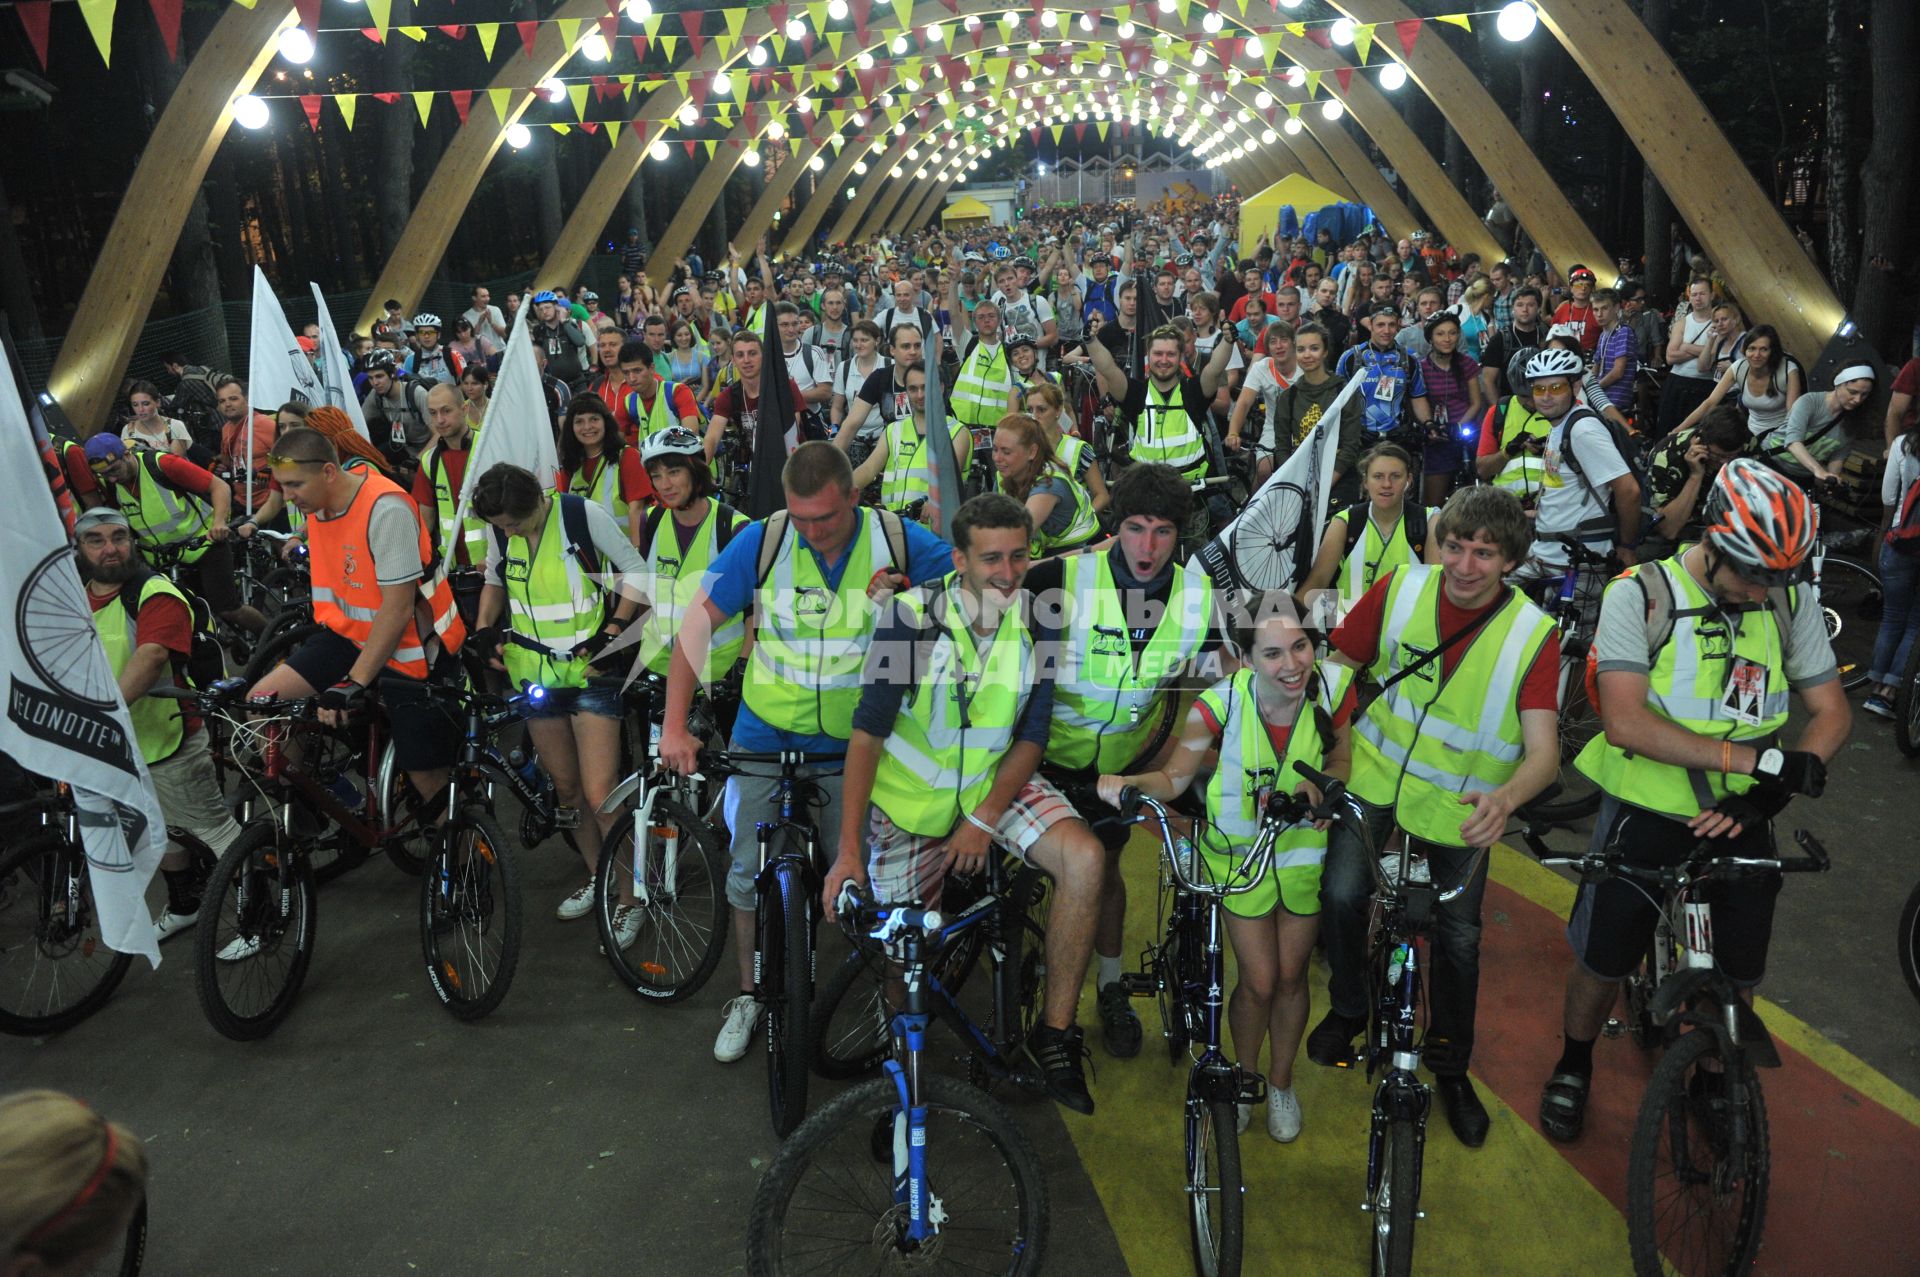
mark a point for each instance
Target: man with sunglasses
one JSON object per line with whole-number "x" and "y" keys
{"x": 1696, "y": 656}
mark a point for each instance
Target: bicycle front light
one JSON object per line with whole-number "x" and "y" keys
{"x": 1468, "y": 431}
{"x": 536, "y": 693}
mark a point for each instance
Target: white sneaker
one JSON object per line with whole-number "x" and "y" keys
{"x": 626, "y": 924}
{"x": 1245, "y": 1119}
{"x": 1283, "y": 1114}
{"x": 577, "y": 905}
{"x": 170, "y": 924}
{"x": 742, "y": 1014}
{"x": 239, "y": 949}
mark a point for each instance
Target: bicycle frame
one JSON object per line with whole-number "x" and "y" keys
{"x": 902, "y": 933}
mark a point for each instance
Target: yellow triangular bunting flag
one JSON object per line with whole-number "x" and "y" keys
{"x": 561, "y": 128}
{"x": 1182, "y": 8}
{"x": 668, "y": 43}
{"x": 1101, "y": 129}
{"x": 1298, "y": 30}
{"x": 1363, "y": 40}
{"x": 488, "y": 33}
{"x": 903, "y": 12}
{"x": 1058, "y": 129}
{"x": 1313, "y": 84}
{"x": 779, "y": 43}
{"x": 569, "y": 32}
{"x": 1457, "y": 19}
{"x": 416, "y": 34}
{"x": 382, "y": 11}
{"x": 817, "y": 10}
{"x": 711, "y": 146}
{"x": 578, "y": 92}
{"x": 834, "y": 40}
{"x": 345, "y": 102}
{"x": 613, "y": 132}
{"x": 736, "y": 21}
{"x": 724, "y": 43}
{"x": 423, "y": 103}
{"x": 652, "y": 26}
{"x": 502, "y": 100}
{"x": 99, "y": 16}
{"x": 738, "y": 79}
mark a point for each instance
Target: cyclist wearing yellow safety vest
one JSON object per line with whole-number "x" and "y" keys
{"x": 1167, "y": 409}
{"x": 146, "y": 625}
{"x": 1513, "y": 437}
{"x": 679, "y": 541}
{"x": 436, "y": 491}
{"x": 899, "y": 459}
{"x": 946, "y": 739}
{"x": 1695, "y": 657}
{"x": 647, "y": 401}
{"x": 812, "y": 620}
{"x": 1462, "y": 730}
{"x": 1132, "y": 621}
{"x": 1027, "y": 469}
{"x": 1281, "y": 709}
{"x": 555, "y": 561}
{"x": 1394, "y": 534}
{"x": 598, "y": 464}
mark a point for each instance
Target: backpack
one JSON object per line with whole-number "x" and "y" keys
{"x": 196, "y": 403}
{"x": 1413, "y": 517}
{"x": 205, "y": 663}
{"x": 891, "y": 526}
{"x": 1622, "y": 444}
{"x": 726, "y": 521}
{"x": 1658, "y": 592}
{"x": 573, "y": 524}
{"x": 1903, "y": 535}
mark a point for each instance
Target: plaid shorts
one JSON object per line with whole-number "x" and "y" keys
{"x": 903, "y": 866}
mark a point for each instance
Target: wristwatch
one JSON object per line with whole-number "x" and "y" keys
{"x": 1770, "y": 763}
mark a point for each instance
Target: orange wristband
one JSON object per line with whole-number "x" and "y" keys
{"x": 1726, "y": 758}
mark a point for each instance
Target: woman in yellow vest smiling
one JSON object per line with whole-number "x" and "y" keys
{"x": 1047, "y": 404}
{"x": 596, "y": 463}
{"x": 1282, "y": 707}
{"x": 553, "y": 560}
{"x": 1392, "y": 535}
{"x": 1031, "y": 474}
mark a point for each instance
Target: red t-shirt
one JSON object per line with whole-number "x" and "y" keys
{"x": 735, "y": 405}
{"x": 1238, "y": 311}
{"x": 183, "y": 474}
{"x": 165, "y": 620}
{"x": 1358, "y": 639}
{"x": 1583, "y": 319}
{"x": 80, "y": 480}
{"x": 1279, "y": 735}
{"x": 638, "y": 409}
{"x": 612, "y": 387}
{"x": 453, "y": 466}
{"x": 1908, "y": 383}
{"x": 634, "y": 484}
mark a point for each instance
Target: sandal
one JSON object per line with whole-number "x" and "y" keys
{"x": 1563, "y": 1105}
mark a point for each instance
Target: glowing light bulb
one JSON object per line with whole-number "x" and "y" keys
{"x": 1049, "y": 19}
{"x": 249, "y": 112}
{"x": 776, "y": 130}
{"x": 639, "y": 10}
{"x": 296, "y": 46}
{"x": 1296, "y": 76}
{"x": 796, "y": 29}
{"x": 860, "y": 168}
{"x": 1086, "y": 22}
{"x": 594, "y": 47}
{"x": 1269, "y": 137}
{"x": 751, "y": 159}
{"x": 1167, "y": 6}
{"x": 1290, "y": 126}
{"x": 1517, "y": 20}
{"x": 1342, "y": 31}
{"x": 689, "y": 115}
{"x": 1161, "y": 66}
{"x": 551, "y": 89}
{"x": 899, "y": 45}
{"x": 816, "y": 164}
{"x": 518, "y": 135}
{"x": 1332, "y": 109}
{"x": 1199, "y": 57}
{"x": 1263, "y": 99}
{"x": 864, "y": 61}
{"x": 658, "y": 150}
{"x": 837, "y": 10}
{"x": 1212, "y": 23}
{"x": 1393, "y": 76}
{"x": 757, "y": 56}
{"x": 1256, "y": 48}
{"x": 1126, "y": 30}
{"x": 721, "y": 84}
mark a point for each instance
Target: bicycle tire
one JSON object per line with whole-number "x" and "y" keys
{"x": 1666, "y": 1127}
{"x": 1395, "y": 1205}
{"x": 244, "y": 885}
{"x": 1906, "y": 706}
{"x": 406, "y": 850}
{"x": 275, "y": 645}
{"x": 1852, "y": 599}
{"x": 133, "y": 1252}
{"x": 1579, "y": 723}
{"x": 284, "y": 587}
{"x": 470, "y": 894}
{"x": 1910, "y": 941}
{"x": 1263, "y": 553}
{"x": 852, "y": 1023}
{"x": 1024, "y": 932}
{"x": 683, "y": 931}
{"x": 29, "y": 935}
{"x": 788, "y": 990}
{"x": 1213, "y": 1167}
{"x": 851, "y": 1118}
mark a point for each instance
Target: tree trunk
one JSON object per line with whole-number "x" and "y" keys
{"x": 226, "y": 223}
{"x": 713, "y": 233}
{"x": 194, "y": 283}
{"x": 1656, "y": 211}
{"x": 1842, "y": 212}
{"x": 546, "y": 195}
{"x": 349, "y": 264}
{"x": 635, "y": 205}
{"x": 393, "y": 193}
{"x": 1882, "y": 305}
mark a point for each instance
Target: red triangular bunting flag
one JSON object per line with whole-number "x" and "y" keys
{"x": 862, "y": 33}
{"x": 1033, "y": 27}
{"x": 640, "y": 48}
{"x": 388, "y": 98}
{"x": 806, "y": 44}
{"x": 1079, "y": 132}
{"x": 1035, "y": 135}
{"x": 613, "y": 7}
{"x": 373, "y": 34}
{"x": 310, "y": 103}
{"x": 1320, "y": 36}
{"x": 610, "y": 29}
{"x": 980, "y": 35}
{"x": 167, "y": 14}
{"x": 589, "y": 126}
{"x": 690, "y": 22}
{"x": 689, "y": 144}
{"x": 462, "y": 99}
{"x": 1408, "y": 30}
{"x": 861, "y": 8}
{"x": 1345, "y": 76}
{"x": 777, "y": 14}
{"x": 34, "y": 16}
{"x": 697, "y": 92}
{"x": 309, "y": 11}
{"x": 953, "y": 6}
{"x": 529, "y": 31}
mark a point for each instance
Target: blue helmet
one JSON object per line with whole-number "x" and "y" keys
{"x": 546, "y": 295}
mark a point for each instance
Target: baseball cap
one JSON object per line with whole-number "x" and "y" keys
{"x": 100, "y": 514}
{"x": 105, "y": 446}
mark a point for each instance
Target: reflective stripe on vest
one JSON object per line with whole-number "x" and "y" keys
{"x": 555, "y": 604}
{"x": 1689, "y": 685}
{"x": 347, "y": 595}
{"x": 940, "y": 759}
{"x": 673, "y": 582}
{"x": 1168, "y": 434}
{"x": 1525, "y": 474}
{"x": 1430, "y": 738}
{"x": 1104, "y": 708}
{"x": 659, "y": 416}
{"x": 598, "y": 480}
{"x": 1370, "y": 559}
{"x": 1080, "y": 528}
{"x": 811, "y": 645}
{"x": 446, "y": 504}
{"x": 158, "y": 725}
{"x": 906, "y": 476}
{"x": 979, "y": 400}
{"x": 160, "y": 513}
{"x": 1070, "y": 448}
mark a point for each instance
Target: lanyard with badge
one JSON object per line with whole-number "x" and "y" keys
{"x": 1743, "y": 695}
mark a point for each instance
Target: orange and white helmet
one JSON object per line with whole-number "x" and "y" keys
{"x": 1762, "y": 522}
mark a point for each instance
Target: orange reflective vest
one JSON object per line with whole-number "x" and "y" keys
{"x": 346, "y": 595}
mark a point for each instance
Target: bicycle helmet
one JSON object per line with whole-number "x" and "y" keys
{"x": 1555, "y": 363}
{"x": 426, "y": 319}
{"x": 1762, "y": 523}
{"x": 588, "y": 297}
{"x": 1517, "y": 368}
{"x": 674, "y": 441}
{"x": 545, "y": 295}
{"x": 381, "y": 361}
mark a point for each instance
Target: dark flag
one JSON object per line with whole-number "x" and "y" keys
{"x": 944, "y": 493}
{"x": 776, "y": 423}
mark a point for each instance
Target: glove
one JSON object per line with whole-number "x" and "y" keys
{"x": 486, "y": 643}
{"x": 1746, "y": 812}
{"x": 603, "y": 636}
{"x": 345, "y": 696}
{"x": 1793, "y": 771}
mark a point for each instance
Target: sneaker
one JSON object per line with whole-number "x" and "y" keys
{"x": 1244, "y": 1120}
{"x": 626, "y": 924}
{"x": 1331, "y": 1042}
{"x": 1878, "y": 704}
{"x": 1119, "y": 1026}
{"x": 577, "y": 905}
{"x": 1283, "y": 1114}
{"x": 172, "y": 922}
{"x": 239, "y": 949}
{"x": 1058, "y": 1054}
{"x": 737, "y": 1030}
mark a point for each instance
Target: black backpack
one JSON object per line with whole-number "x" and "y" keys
{"x": 1413, "y": 516}
{"x": 197, "y": 404}
{"x": 1622, "y": 444}
{"x": 205, "y": 664}
{"x": 727, "y": 521}
{"x": 573, "y": 524}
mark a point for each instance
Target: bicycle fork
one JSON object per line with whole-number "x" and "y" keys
{"x": 1400, "y": 1095}
{"x": 925, "y": 1214}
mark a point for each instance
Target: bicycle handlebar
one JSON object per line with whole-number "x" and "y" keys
{"x": 1282, "y": 810}
{"x": 858, "y": 911}
{"x": 1699, "y": 862}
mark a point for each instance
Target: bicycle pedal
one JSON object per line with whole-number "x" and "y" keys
{"x": 566, "y": 818}
{"x": 1139, "y": 984}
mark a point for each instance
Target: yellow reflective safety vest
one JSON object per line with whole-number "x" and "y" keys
{"x": 552, "y": 600}
{"x": 905, "y": 475}
{"x": 1525, "y": 474}
{"x": 1167, "y": 433}
{"x": 810, "y": 647}
{"x": 162, "y": 514}
{"x": 652, "y": 418}
{"x": 1431, "y": 738}
{"x": 1080, "y": 529}
{"x": 1721, "y": 686}
{"x": 1105, "y": 707}
{"x": 1248, "y": 769}
{"x": 957, "y": 720}
{"x": 1370, "y": 557}
{"x": 446, "y": 504}
{"x": 598, "y": 480}
{"x": 981, "y": 386}
{"x": 158, "y": 726}
{"x": 675, "y": 578}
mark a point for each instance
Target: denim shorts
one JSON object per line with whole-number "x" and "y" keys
{"x": 565, "y": 702}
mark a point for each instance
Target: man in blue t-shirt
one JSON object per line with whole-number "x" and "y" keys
{"x": 825, "y": 531}
{"x": 1390, "y": 386}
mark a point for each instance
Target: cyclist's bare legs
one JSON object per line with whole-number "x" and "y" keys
{"x": 1270, "y": 1002}
{"x": 1589, "y": 1002}
{"x": 1071, "y": 855}
{"x": 580, "y": 753}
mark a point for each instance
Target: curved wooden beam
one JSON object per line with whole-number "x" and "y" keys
{"x": 1319, "y": 165}
{"x": 882, "y": 208}
{"x": 133, "y": 258}
{"x": 815, "y": 210}
{"x": 913, "y": 213}
{"x": 695, "y": 205}
{"x": 878, "y": 179}
{"x": 581, "y": 233}
{"x": 1548, "y": 216}
{"x": 760, "y": 217}
{"x": 1688, "y": 154}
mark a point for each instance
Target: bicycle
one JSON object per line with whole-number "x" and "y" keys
{"x": 1186, "y": 972}
{"x": 1851, "y": 598}
{"x": 1574, "y": 607}
{"x": 1700, "y": 1145}
{"x": 905, "y": 1171}
{"x": 786, "y": 913}
{"x": 1906, "y": 706}
{"x": 1909, "y": 941}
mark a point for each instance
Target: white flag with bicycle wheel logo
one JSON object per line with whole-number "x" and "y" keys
{"x": 65, "y": 718}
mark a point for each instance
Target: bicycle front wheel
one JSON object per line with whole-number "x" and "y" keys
{"x": 55, "y": 969}
{"x": 1906, "y": 706}
{"x": 1691, "y": 1197}
{"x": 470, "y": 917}
{"x": 683, "y": 921}
{"x": 1215, "y": 1196}
{"x": 1396, "y": 1202}
{"x": 256, "y": 934}
{"x": 1851, "y": 597}
{"x": 1910, "y": 941}
{"x": 827, "y": 1202}
{"x": 788, "y": 988}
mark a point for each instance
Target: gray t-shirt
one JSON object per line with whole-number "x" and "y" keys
{"x": 1811, "y": 422}
{"x": 609, "y": 541}
{"x": 1060, "y": 487}
{"x": 483, "y": 332}
{"x": 1571, "y": 504}
{"x": 1620, "y": 640}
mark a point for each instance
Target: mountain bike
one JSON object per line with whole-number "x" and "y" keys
{"x": 1697, "y": 1173}
{"x": 1573, "y": 604}
{"x": 1851, "y": 598}
{"x": 1906, "y": 706}
{"x": 1909, "y": 941}
{"x": 908, "y": 1171}
{"x": 1186, "y": 971}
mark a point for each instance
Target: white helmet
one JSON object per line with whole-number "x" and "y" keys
{"x": 426, "y": 320}
{"x": 674, "y": 441}
{"x": 1555, "y": 362}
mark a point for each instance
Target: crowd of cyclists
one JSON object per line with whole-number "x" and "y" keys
{"x": 1517, "y": 431}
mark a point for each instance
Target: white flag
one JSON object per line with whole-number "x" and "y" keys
{"x": 1270, "y": 544}
{"x": 517, "y": 427}
{"x": 277, "y": 369}
{"x": 65, "y": 718}
{"x": 336, "y": 370}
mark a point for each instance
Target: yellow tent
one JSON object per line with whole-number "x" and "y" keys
{"x": 1260, "y": 214}
{"x": 966, "y": 211}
